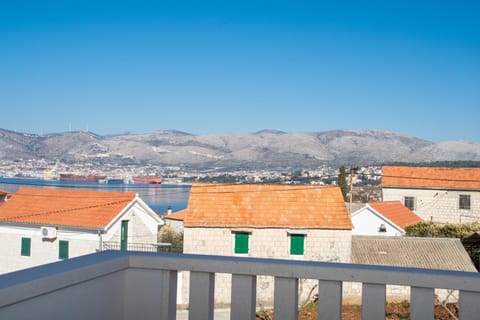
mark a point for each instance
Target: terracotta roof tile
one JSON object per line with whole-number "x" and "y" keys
{"x": 396, "y": 212}
{"x": 76, "y": 208}
{"x": 443, "y": 178}
{"x": 180, "y": 215}
{"x": 266, "y": 206}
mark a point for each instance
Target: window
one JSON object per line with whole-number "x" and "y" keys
{"x": 26, "y": 245}
{"x": 62, "y": 249}
{"x": 297, "y": 244}
{"x": 241, "y": 243}
{"x": 464, "y": 201}
{"x": 409, "y": 202}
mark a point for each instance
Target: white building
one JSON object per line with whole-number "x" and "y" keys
{"x": 39, "y": 226}
{"x": 444, "y": 195}
{"x": 383, "y": 219}
{"x": 267, "y": 221}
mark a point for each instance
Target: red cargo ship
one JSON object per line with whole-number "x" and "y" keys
{"x": 77, "y": 177}
{"x": 147, "y": 180}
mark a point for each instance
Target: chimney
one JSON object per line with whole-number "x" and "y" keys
{"x": 169, "y": 210}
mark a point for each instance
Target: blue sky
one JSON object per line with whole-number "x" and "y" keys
{"x": 203, "y": 67}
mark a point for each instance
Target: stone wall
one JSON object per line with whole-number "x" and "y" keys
{"x": 320, "y": 245}
{"x": 441, "y": 206}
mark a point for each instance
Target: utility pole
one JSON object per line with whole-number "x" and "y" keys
{"x": 352, "y": 171}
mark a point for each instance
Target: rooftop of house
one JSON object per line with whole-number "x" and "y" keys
{"x": 73, "y": 208}
{"x": 396, "y": 212}
{"x": 424, "y": 177}
{"x": 180, "y": 216}
{"x": 429, "y": 253}
{"x": 266, "y": 206}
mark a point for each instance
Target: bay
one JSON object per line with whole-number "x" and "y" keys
{"x": 158, "y": 196}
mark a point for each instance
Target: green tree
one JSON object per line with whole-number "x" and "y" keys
{"x": 168, "y": 235}
{"x": 342, "y": 182}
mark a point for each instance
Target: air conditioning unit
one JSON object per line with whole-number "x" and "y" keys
{"x": 48, "y": 232}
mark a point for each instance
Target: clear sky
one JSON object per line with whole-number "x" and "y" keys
{"x": 411, "y": 67}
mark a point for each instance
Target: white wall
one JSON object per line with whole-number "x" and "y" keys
{"x": 142, "y": 228}
{"x": 442, "y": 205}
{"x": 41, "y": 251}
{"x": 366, "y": 222}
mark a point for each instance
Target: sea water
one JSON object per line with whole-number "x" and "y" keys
{"x": 158, "y": 196}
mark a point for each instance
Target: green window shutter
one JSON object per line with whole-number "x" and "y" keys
{"x": 297, "y": 243}
{"x": 241, "y": 242}
{"x": 62, "y": 249}
{"x": 26, "y": 245}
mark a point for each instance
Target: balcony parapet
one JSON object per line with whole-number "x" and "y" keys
{"x": 129, "y": 285}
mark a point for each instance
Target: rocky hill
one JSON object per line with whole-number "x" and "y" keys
{"x": 263, "y": 149}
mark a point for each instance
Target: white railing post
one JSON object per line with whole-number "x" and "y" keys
{"x": 285, "y": 300}
{"x": 168, "y": 295}
{"x": 469, "y": 305}
{"x": 422, "y": 303}
{"x": 330, "y": 300}
{"x": 373, "y": 301}
{"x": 244, "y": 293}
{"x": 202, "y": 295}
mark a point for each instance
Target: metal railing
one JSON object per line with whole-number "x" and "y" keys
{"x": 135, "y": 285}
{"x": 142, "y": 247}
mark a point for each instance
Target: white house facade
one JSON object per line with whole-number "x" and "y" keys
{"x": 383, "y": 219}
{"x": 39, "y": 226}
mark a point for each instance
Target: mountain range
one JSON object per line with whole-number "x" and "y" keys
{"x": 264, "y": 149}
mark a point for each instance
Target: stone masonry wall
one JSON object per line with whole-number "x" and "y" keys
{"x": 320, "y": 245}
{"x": 440, "y": 205}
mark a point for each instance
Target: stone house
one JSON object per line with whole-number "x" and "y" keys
{"x": 175, "y": 220}
{"x": 39, "y": 225}
{"x": 443, "y": 195}
{"x": 267, "y": 221}
{"x": 387, "y": 218}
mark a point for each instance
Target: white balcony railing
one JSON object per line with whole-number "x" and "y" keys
{"x": 133, "y": 285}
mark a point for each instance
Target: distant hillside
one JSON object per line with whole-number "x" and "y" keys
{"x": 263, "y": 149}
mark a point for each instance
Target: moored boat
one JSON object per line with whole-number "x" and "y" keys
{"x": 147, "y": 180}
{"x": 83, "y": 178}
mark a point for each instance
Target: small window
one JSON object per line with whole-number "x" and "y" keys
{"x": 26, "y": 245}
{"x": 62, "y": 249}
{"x": 297, "y": 244}
{"x": 241, "y": 243}
{"x": 409, "y": 202}
{"x": 464, "y": 201}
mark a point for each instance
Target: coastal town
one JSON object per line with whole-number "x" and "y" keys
{"x": 239, "y": 160}
{"x": 52, "y": 170}
{"x": 309, "y": 222}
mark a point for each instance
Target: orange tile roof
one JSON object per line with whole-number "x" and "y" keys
{"x": 263, "y": 206}
{"x": 180, "y": 215}
{"x": 75, "y": 208}
{"x": 396, "y": 212}
{"x": 438, "y": 178}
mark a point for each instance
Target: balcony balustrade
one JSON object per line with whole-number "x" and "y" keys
{"x": 141, "y": 285}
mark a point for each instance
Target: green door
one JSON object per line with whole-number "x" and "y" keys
{"x": 124, "y": 235}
